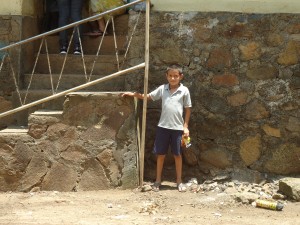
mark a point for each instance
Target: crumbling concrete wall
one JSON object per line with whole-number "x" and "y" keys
{"x": 243, "y": 73}
{"x": 91, "y": 145}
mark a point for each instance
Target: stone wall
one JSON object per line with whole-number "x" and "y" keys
{"x": 243, "y": 73}
{"x": 10, "y": 32}
{"x": 14, "y": 29}
{"x": 91, "y": 145}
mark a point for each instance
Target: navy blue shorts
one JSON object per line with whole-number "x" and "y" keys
{"x": 165, "y": 138}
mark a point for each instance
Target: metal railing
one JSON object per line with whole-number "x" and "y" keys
{"x": 71, "y": 25}
{"x": 88, "y": 84}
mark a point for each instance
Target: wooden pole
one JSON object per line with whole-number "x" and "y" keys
{"x": 63, "y": 93}
{"x": 142, "y": 147}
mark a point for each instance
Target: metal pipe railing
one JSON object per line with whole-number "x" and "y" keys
{"x": 63, "y": 93}
{"x": 91, "y": 18}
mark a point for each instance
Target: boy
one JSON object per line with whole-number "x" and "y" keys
{"x": 171, "y": 127}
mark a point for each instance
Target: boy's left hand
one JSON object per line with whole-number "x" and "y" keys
{"x": 186, "y": 132}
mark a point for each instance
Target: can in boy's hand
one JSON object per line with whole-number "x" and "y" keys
{"x": 185, "y": 142}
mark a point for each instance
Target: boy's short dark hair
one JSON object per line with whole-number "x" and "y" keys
{"x": 174, "y": 67}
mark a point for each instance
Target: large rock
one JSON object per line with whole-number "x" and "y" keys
{"x": 247, "y": 175}
{"x": 263, "y": 72}
{"x": 35, "y": 171}
{"x": 227, "y": 80}
{"x": 60, "y": 178}
{"x": 189, "y": 156}
{"x": 290, "y": 55}
{"x": 250, "y": 51}
{"x": 285, "y": 160}
{"x": 217, "y": 158}
{"x": 219, "y": 59}
{"x": 250, "y": 150}
{"x": 290, "y": 187}
{"x": 93, "y": 178}
{"x": 271, "y": 131}
{"x": 256, "y": 110}
{"x": 238, "y": 99}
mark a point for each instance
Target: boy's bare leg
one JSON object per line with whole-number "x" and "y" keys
{"x": 178, "y": 166}
{"x": 101, "y": 24}
{"x": 159, "y": 167}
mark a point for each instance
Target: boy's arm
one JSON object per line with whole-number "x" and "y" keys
{"x": 136, "y": 94}
{"x": 187, "y": 116}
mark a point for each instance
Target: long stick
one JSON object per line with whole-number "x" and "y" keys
{"x": 142, "y": 147}
{"x": 63, "y": 93}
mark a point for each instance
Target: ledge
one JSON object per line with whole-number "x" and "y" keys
{"x": 245, "y": 6}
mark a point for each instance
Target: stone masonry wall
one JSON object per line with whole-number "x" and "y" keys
{"x": 243, "y": 73}
{"x": 14, "y": 29}
{"x": 92, "y": 145}
{"x": 10, "y": 32}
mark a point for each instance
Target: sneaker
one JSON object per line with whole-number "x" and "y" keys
{"x": 77, "y": 51}
{"x": 63, "y": 50}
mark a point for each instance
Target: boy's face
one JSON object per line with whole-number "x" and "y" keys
{"x": 174, "y": 77}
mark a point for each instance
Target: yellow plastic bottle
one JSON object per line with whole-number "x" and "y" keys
{"x": 186, "y": 142}
{"x": 269, "y": 205}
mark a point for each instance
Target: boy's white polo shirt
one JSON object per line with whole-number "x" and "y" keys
{"x": 172, "y": 105}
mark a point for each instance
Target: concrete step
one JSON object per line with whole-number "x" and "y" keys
{"x": 105, "y": 64}
{"x": 34, "y": 95}
{"x": 67, "y": 81}
{"x": 45, "y": 117}
{"x": 14, "y": 130}
{"x": 14, "y": 133}
{"x": 90, "y": 45}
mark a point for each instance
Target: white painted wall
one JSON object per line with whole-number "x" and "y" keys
{"x": 247, "y": 6}
{"x": 28, "y": 7}
{"x": 10, "y": 7}
{"x": 18, "y": 7}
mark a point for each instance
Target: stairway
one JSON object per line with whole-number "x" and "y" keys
{"x": 84, "y": 141}
{"x": 90, "y": 145}
{"x": 73, "y": 73}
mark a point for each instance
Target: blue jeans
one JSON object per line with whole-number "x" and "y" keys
{"x": 69, "y": 11}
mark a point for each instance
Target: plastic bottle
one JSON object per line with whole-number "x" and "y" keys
{"x": 269, "y": 205}
{"x": 186, "y": 142}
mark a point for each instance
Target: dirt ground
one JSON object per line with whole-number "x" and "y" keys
{"x": 167, "y": 206}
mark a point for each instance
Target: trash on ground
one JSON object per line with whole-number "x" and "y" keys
{"x": 268, "y": 204}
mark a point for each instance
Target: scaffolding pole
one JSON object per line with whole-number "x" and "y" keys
{"x": 142, "y": 147}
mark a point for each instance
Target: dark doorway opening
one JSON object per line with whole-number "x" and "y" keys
{"x": 50, "y": 19}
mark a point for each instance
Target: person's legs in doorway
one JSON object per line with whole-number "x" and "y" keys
{"x": 64, "y": 14}
{"x": 76, "y": 15}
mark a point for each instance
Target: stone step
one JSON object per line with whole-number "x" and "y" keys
{"x": 45, "y": 117}
{"x": 14, "y": 133}
{"x": 34, "y": 95}
{"x": 105, "y": 64}
{"x": 90, "y": 45}
{"x": 67, "y": 81}
{"x": 14, "y": 130}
